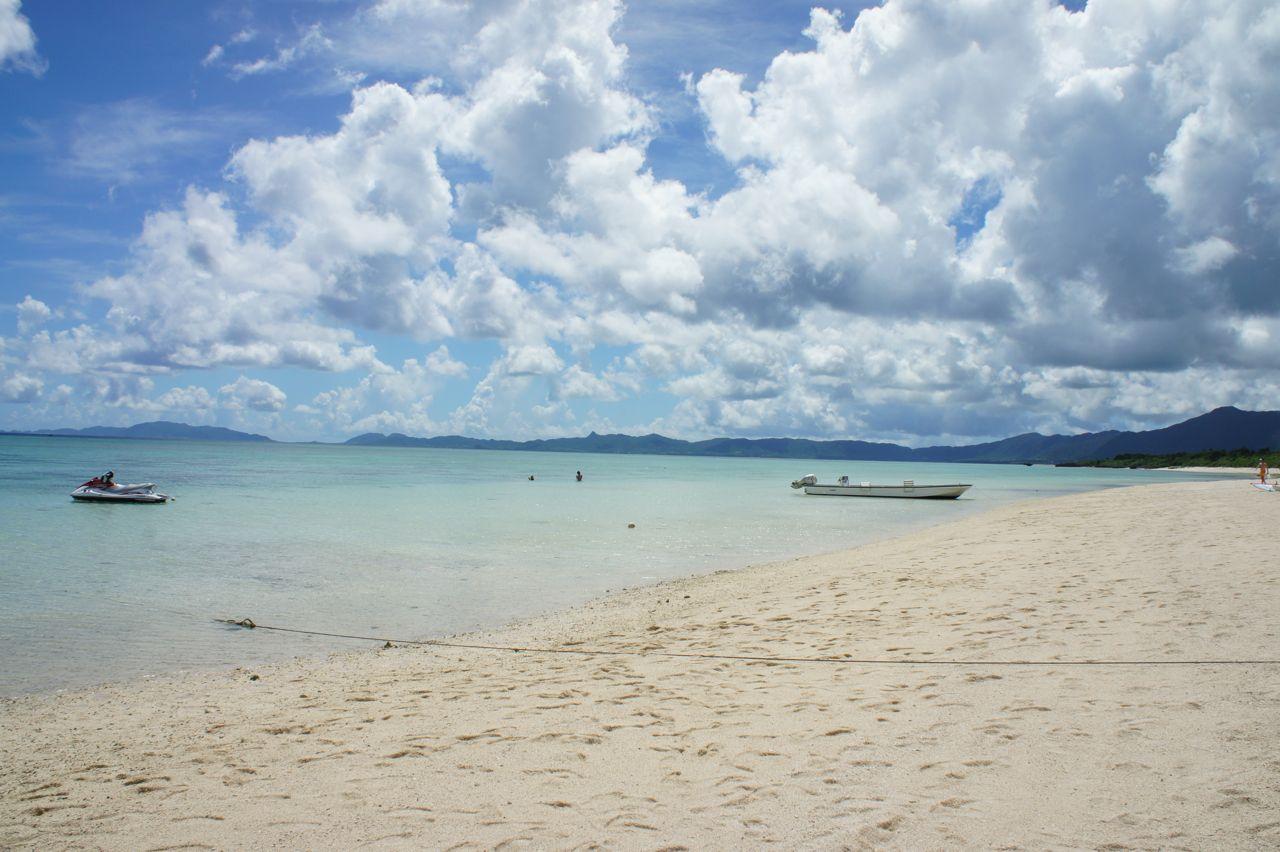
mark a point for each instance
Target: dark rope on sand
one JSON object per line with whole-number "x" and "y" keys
{"x": 750, "y": 658}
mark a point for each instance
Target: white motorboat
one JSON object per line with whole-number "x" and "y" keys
{"x": 104, "y": 489}
{"x": 907, "y": 489}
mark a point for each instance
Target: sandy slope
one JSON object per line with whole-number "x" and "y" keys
{"x": 427, "y": 747}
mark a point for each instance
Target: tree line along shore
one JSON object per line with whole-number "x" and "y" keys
{"x": 1242, "y": 457}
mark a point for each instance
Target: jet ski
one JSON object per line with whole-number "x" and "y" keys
{"x": 104, "y": 489}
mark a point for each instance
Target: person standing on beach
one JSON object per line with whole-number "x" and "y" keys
{"x": 1262, "y": 471}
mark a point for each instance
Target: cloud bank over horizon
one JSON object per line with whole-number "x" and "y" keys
{"x": 930, "y": 220}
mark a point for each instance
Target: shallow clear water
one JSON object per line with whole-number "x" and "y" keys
{"x": 398, "y": 542}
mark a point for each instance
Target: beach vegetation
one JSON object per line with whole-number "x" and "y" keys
{"x": 1239, "y": 457}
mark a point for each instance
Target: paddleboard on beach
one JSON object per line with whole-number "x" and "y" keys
{"x": 1268, "y": 487}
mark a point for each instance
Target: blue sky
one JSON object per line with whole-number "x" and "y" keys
{"x": 912, "y": 221}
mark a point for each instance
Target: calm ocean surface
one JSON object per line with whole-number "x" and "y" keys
{"x": 402, "y": 542}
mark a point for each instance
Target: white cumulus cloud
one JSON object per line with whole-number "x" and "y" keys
{"x": 191, "y": 398}
{"x": 253, "y": 394}
{"x": 389, "y": 400}
{"x": 18, "y": 41}
{"x": 32, "y": 313}
{"x": 20, "y": 387}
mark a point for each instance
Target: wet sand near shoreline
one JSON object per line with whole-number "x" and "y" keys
{"x": 444, "y": 747}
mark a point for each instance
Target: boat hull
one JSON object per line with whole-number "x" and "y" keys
{"x": 916, "y": 492}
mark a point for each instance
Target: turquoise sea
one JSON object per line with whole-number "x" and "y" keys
{"x": 406, "y": 543}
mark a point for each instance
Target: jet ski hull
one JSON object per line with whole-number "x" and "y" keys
{"x": 124, "y": 495}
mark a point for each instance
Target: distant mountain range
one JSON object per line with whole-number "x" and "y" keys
{"x": 1222, "y": 428}
{"x": 156, "y": 430}
{"x": 1225, "y": 428}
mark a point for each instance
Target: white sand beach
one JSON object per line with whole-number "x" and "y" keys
{"x": 1224, "y": 472}
{"x": 454, "y": 748}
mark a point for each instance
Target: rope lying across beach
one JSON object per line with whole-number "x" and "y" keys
{"x": 749, "y": 658}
